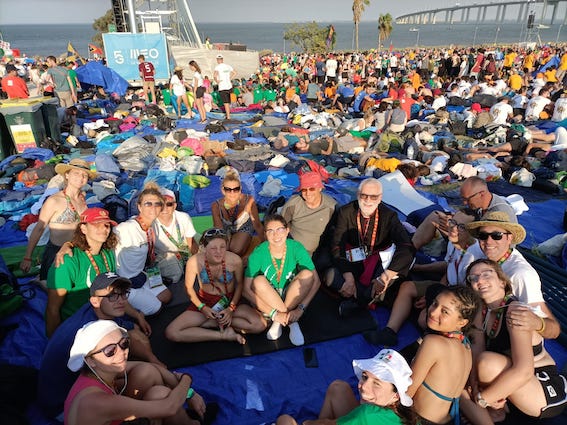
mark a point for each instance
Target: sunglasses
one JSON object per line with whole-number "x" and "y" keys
{"x": 214, "y": 232}
{"x": 308, "y": 189}
{"x": 113, "y": 296}
{"x": 169, "y": 204}
{"x": 496, "y": 236}
{"x": 278, "y": 231}
{"x": 468, "y": 198}
{"x": 110, "y": 349}
{"x": 231, "y": 189}
{"x": 149, "y": 204}
{"x": 485, "y": 274}
{"x": 365, "y": 196}
{"x": 454, "y": 223}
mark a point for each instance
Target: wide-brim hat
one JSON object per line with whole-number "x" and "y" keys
{"x": 498, "y": 219}
{"x": 75, "y": 164}
{"x": 389, "y": 366}
{"x": 177, "y": 68}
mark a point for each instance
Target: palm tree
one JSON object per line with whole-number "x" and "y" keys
{"x": 384, "y": 28}
{"x": 357, "y": 9}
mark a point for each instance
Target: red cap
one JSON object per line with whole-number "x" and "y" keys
{"x": 476, "y": 107}
{"x": 310, "y": 179}
{"x": 437, "y": 92}
{"x": 96, "y": 215}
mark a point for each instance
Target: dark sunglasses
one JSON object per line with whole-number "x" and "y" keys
{"x": 364, "y": 197}
{"x": 496, "y": 236}
{"x": 454, "y": 223}
{"x": 169, "y": 204}
{"x": 149, "y": 204}
{"x": 110, "y": 349}
{"x": 309, "y": 189}
{"x": 231, "y": 189}
{"x": 113, "y": 296}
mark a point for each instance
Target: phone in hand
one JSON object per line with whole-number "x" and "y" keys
{"x": 310, "y": 357}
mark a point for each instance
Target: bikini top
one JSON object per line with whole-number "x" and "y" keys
{"x": 204, "y": 277}
{"x": 454, "y": 410}
{"x": 69, "y": 214}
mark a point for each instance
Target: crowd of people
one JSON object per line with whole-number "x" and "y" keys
{"x": 484, "y": 317}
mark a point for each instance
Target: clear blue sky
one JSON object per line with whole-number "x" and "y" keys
{"x": 85, "y": 11}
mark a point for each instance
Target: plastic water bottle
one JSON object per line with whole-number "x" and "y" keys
{"x": 206, "y": 169}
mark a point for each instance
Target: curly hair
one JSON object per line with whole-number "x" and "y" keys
{"x": 80, "y": 240}
{"x": 469, "y": 303}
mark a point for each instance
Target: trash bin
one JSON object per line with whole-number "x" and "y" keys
{"x": 24, "y": 120}
{"x": 166, "y": 95}
{"x": 7, "y": 147}
{"x": 51, "y": 118}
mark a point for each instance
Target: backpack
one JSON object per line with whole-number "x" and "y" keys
{"x": 165, "y": 123}
{"x": 390, "y": 142}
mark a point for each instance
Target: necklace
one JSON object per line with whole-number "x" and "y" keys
{"x": 279, "y": 270}
{"x": 70, "y": 203}
{"x": 496, "y": 324}
{"x": 459, "y": 335}
{"x": 211, "y": 280}
{"x": 505, "y": 257}
{"x": 108, "y": 386}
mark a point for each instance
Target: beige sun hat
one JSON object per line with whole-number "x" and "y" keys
{"x": 75, "y": 164}
{"x": 498, "y": 219}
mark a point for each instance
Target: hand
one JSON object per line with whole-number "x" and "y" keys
{"x": 197, "y": 404}
{"x": 65, "y": 249}
{"x": 442, "y": 222}
{"x": 144, "y": 325}
{"x": 209, "y": 313}
{"x": 349, "y": 286}
{"x": 25, "y": 265}
{"x": 522, "y": 316}
{"x": 295, "y": 314}
{"x": 282, "y": 318}
{"x": 224, "y": 318}
{"x": 498, "y": 404}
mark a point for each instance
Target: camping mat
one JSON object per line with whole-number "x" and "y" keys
{"x": 321, "y": 322}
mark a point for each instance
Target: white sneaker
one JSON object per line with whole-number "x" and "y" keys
{"x": 295, "y": 334}
{"x": 275, "y": 331}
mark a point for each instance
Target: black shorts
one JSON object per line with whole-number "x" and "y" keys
{"x": 346, "y": 100}
{"x": 555, "y": 389}
{"x": 225, "y": 95}
{"x": 518, "y": 146}
{"x": 200, "y": 92}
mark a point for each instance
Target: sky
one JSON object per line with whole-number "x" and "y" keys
{"x": 85, "y": 11}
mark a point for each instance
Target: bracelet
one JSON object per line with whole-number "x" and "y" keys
{"x": 273, "y": 313}
{"x": 190, "y": 393}
{"x": 232, "y": 307}
{"x": 200, "y": 306}
{"x": 542, "y": 329}
{"x": 27, "y": 259}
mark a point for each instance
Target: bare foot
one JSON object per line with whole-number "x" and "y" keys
{"x": 230, "y": 335}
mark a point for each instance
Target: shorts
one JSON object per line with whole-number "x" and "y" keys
{"x": 346, "y": 100}
{"x": 225, "y": 95}
{"x": 555, "y": 389}
{"x": 209, "y": 299}
{"x": 47, "y": 259}
{"x": 145, "y": 298}
{"x": 148, "y": 84}
{"x": 423, "y": 421}
{"x": 200, "y": 92}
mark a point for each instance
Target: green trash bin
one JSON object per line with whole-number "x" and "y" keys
{"x": 166, "y": 95}
{"x": 51, "y": 117}
{"x": 7, "y": 147}
{"x": 24, "y": 119}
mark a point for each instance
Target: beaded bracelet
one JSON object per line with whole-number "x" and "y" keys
{"x": 200, "y": 306}
{"x": 273, "y": 313}
{"x": 232, "y": 307}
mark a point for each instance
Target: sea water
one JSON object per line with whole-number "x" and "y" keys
{"x": 44, "y": 40}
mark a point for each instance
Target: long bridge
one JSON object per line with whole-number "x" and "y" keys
{"x": 512, "y": 10}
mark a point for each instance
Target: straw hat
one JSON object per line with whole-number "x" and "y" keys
{"x": 75, "y": 164}
{"x": 178, "y": 68}
{"x": 498, "y": 219}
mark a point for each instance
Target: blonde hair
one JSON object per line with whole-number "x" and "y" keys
{"x": 231, "y": 175}
{"x": 150, "y": 188}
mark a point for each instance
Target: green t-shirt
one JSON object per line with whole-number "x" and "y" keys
{"x": 370, "y": 414}
{"x": 296, "y": 259}
{"x": 75, "y": 275}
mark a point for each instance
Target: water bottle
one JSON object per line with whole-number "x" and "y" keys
{"x": 206, "y": 169}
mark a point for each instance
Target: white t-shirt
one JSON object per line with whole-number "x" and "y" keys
{"x": 560, "y": 110}
{"x": 456, "y": 269}
{"x": 182, "y": 221}
{"x": 500, "y": 112}
{"x": 535, "y": 107}
{"x": 331, "y": 66}
{"x": 132, "y": 249}
{"x": 177, "y": 85}
{"x": 526, "y": 285}
{"x": 223, "y": 71}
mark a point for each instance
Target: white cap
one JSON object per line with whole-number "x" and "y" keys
{"x": 167, "y": 192}
{"x": 219, "y": 56}
{"x": 87, "y": 338}
{"x": 389, "y": 366}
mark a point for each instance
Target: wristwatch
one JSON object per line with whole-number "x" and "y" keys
{"x": 302, "y": 307}
{"x": 481, "y": 402}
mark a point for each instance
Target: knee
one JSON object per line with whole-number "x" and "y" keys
{"x": 172, "y": 333}
{"x": 144, "y": 376}
{"x": 165, "y": 296}
{"x": 337, "y": 388}
{"x": 286, "y": 420}
{"x": 157, "y": 392}
{"x": 408, "y": 288}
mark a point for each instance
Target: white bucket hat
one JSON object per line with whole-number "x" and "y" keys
{"x": 389, "y": 366}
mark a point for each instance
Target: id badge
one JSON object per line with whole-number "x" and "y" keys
{"x": 355, "y": 254}
{"x": 221, "y": 304}
{"x": 154, "y": 277}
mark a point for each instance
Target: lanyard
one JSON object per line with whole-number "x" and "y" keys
{"x": 210, "y": 277}
{"x": 179, "y": 243}
{"x": 93, "y": 262}
{"x": 505, "y": 257}
{"x": 362, "y": 232}
{"x": 151, "y": 238}
{"x": 279, "y": 270}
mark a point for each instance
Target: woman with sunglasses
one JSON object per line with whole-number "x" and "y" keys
{"x": 237, "y": 214}
{"x": 215, "y": 313}
{"x": 136, "y": 254}
{"x": 279, "y": 280}
{"x": 111, "y": 390}
{"x": 443, "y": 361}
{"x": 92, "y": 254}
{"x": 511, "y": 363}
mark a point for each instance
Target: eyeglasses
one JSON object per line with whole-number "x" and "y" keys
{"x": 309, "y": 189}
{"x": 485, "y": 274}
{"x": 110, "y": 349}
{"x": 214, "y": 232}
{"x": 468, "y": 198}
{"x": 278, "y": 231}
{"x": 365, "y": 196}
{"x": 231, "y": 189}
{"x": 496, "y": 236}
{"x": 149, "y": 204}
{"x": 169, "y": 204}
{"x": 454, "y": 223}
{"x": 113, "y": 296}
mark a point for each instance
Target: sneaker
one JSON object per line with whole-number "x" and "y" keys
{"x": 385, "y": 337}
{"x": 348, "y": 308}
{"x": 295, "y": 334}
{"x": 275, "y": 331}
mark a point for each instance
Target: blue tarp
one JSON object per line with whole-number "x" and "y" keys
{"x": 96, "y": 74}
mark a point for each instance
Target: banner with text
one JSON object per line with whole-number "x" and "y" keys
{"x": 122, "y": 51}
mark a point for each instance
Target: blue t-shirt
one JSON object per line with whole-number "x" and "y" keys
{"x": 345, "y": 91}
